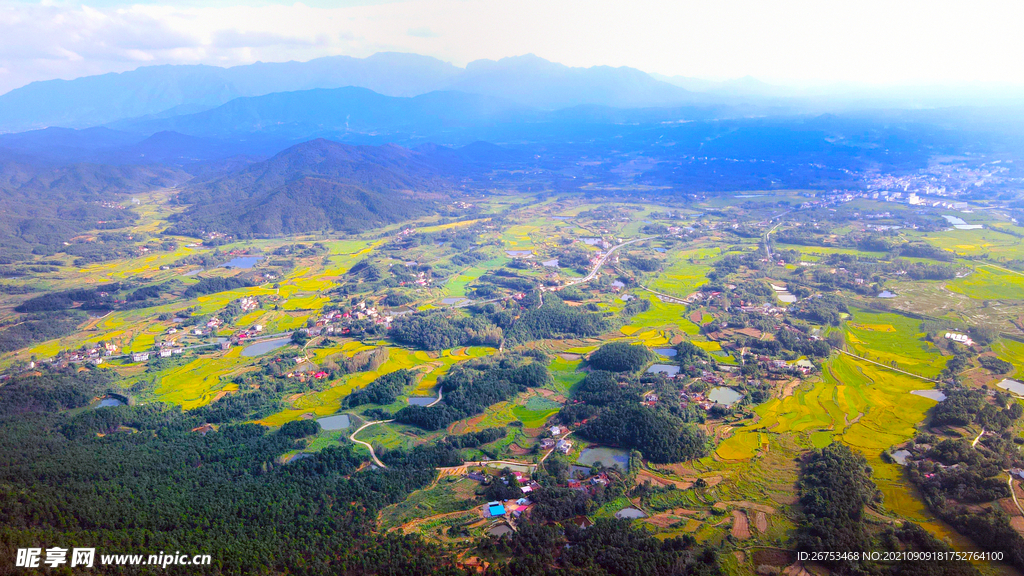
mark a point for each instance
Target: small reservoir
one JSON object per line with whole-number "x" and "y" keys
{"x": 260, "y": 348}
{"x": 936, "y": 395}
{"x": 631, "y": 513}
{"x": 608, "y": 457}
{"x": 666, "y": 369}
{"x": 336, "y": 422}
{"x": 724, "y": 395}
{"x": 241, "y": 262}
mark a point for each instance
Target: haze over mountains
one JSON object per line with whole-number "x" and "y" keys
{"x": 173, "y": 90}
{"x": 343, "y": 143}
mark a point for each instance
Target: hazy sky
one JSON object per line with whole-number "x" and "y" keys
{"x": 781, "y": 41}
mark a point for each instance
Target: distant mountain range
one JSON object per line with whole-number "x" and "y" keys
{"x": 338, "y": 112}
{"x": 166, "y": 91}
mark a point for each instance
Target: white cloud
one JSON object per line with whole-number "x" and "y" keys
{"x": 794, "y": 41}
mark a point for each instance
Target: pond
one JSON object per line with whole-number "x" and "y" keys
{"x": 193, "y": 272}
{"x": 422, "y": 400}
{"x": 500, "y": 530}
{"x": 244, "y": 262}
{"x": 630, "y": 512}
{"x": 553, "y": 263}
{"x": 936, "y": 395}
{"x": 724, "y": 395}
{"x": 264, "y": 346}
{"x": 561, "y": 217}
{"x": 1012, "y": 386}
{"x": 666, "y": 352}
{"x": 336, "y": 422}
{"x": 519, "y": 253}
{"x": 886, "y": 294}
{"x": 900, "y": 456}
{"x": 666, "y": 369}
{"x": 618, "y": 284}
{"x": 659, "y": 250}
{"x": 456, "y": 300}
{"x": 579, "y": 471}
{"x": 591, "y": 241}
{"x": 109, "y": 402}
{"x": 607, "y": 456}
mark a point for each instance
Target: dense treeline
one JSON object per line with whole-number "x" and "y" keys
{"x": 660, "y": 437}
{"x": 445, "y": 452}
{"x": 995, "y": 365}
{"x": 470, "y": 388}
{"x": 608, "y": 548}
{"x": 440, "y": 331}
{"x": 384, "y": 390}
{"x": 601, "y": 388}
{"x": 620, "y": 357}
{"x": 956, "y": 475}
{"x": 216, "y": 284}
{"x": 835, "y": 486}
{"x": 38, "y": 327}
{"x": 299, "y": 428}
{"x": 965, "y": 406}
{"x": 556, "y": 319}
{"x": 222, "y": 493}
{"x": 51, "y": 391}
{"x": 826, "y": 309}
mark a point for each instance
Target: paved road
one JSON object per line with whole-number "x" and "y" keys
{"x": 367, "y": 444}
{"x": 506, "y": 462}
{"x": 440, "y": 395}
{"x": 767, "y": 241}
{"x": 1009, "y": 480}
{"x": 601, "y": 262}
{"x": 841, "y": 351}
{"x": 548, "y": 453}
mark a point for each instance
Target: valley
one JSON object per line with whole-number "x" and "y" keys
{"x": 738, "y": 333}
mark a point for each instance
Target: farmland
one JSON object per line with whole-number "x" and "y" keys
{"x": 337, "y": 315}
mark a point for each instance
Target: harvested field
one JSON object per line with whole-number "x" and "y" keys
{"x": 761, "y": 522}
{"x": 644, "y": 475}
{"x": 740, "y": 525}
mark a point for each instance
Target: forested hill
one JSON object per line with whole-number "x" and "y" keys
{"x": 42, "y": 204}
{"x": 317, "y": 185}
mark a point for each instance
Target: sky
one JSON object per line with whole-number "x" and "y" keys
{"x": 787, "y": 42}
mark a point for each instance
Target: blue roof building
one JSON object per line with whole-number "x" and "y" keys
{"x": 495, "y": 508}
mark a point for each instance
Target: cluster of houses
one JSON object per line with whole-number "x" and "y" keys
{"x": 590, "y": 484}
{"x": 327, "y": 323}
{"x": 94, "y": 355}
{"x": 248, "y": 303}
{"x": 422, "y": 279}
{"x": 250, "y": 332}
{"x": 560, "y": 444}
{"x": 766, "y": 309}
{"x": 697, "y": 398}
